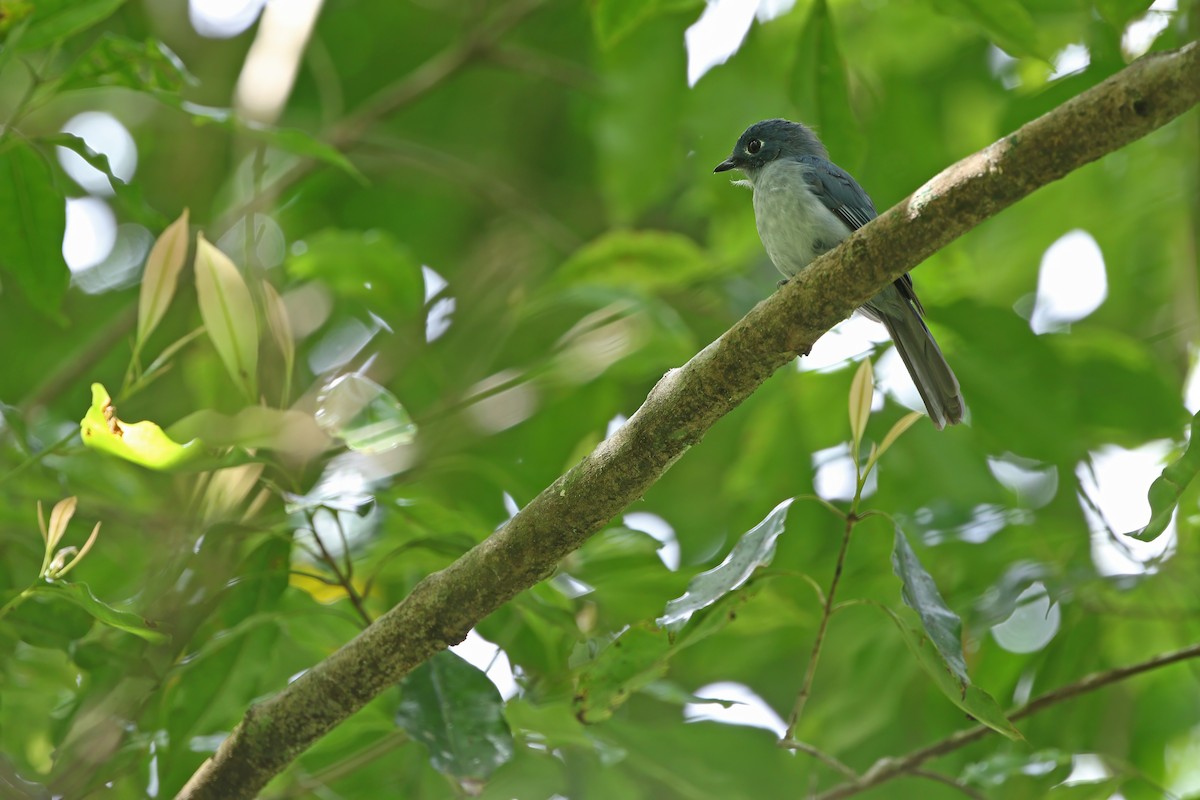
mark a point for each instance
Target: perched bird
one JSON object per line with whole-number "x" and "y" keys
{"x": 805, "y": 205}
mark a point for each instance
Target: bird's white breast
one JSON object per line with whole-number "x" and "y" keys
{"x": 794, "y": 225}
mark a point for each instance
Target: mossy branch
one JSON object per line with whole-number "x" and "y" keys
{"x": 687, "y": 402}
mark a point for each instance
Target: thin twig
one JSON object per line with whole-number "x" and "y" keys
{"x": 946, "y": 779}
{"x": 887, "y": 769}
{"x": 819, "y": 755}
{"x": 334, "y": 567}
{"x": 826, "y": 612}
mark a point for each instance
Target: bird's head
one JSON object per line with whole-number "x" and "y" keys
{"x": 766, "y": 141}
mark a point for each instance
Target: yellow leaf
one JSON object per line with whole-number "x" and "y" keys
{"x": 59, "y": 517}
{"x": 280, "y": 326}
{"x": 161, "y": 276}
{"x": 140, "y": 442}
{"x": 228, "y": 313}
{"x": 322, "y": 592}
{"x": 861, "y": 390}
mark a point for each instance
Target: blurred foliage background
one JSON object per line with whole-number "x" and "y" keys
{"x": 493, "y": 227}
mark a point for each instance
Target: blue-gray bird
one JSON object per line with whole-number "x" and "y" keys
{"x": 805, "y": 205}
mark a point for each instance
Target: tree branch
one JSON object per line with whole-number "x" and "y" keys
{"x": 888, "y": 768}
{"x": 443, "y": 607}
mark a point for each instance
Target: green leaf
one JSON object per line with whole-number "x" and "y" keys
{"x": 633, "y": 660}
{"x": 455, "y": 711}
{"x": 232, "y": 660}
{"x": 1168, "y": 487}
{"x": 80, "y": 595}
{"x": 820, "y": 90}
{"x": 754, "y": 549}
{"x": 33, "y": 218}
{"x": 129, "y": 195}
{"x": 1119, "y": 13}
{"x": 289, "y": 140}
{"x": 228, "y": 314}
{"x": 78, "y": 146}
{"x": 555, "y": 724}
{"x": 921, "y": 594}
{"x": 41, "y": 622}
{"x": 967, "y": 696}
{"x": 938, "y": 644}
{"x": 1006, "y": 22}
{"x": 369, "y": 266}
{"x": 288, "y": 431}
{"x": 147, "y": 66}
{"x": 652, "y": 261}
{"x": 56, "y": 20}
{"x": 613, "y": 20}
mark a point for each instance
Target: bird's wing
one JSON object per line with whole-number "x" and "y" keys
{"x": 842, "y": 195}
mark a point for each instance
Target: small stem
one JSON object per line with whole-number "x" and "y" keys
{"x": 342, "y": 579}
{"x": 828, "y": 505}
{"x": 38, "y": 456}
{"x": 16, "y": 601}
{"x": 826, "y": 612}
{"x": 889, "y": 768}
{"x": 823, "y": 757}
{"x": 934, "y": 776}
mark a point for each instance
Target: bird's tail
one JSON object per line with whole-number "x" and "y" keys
{"x": 924, "y": 360}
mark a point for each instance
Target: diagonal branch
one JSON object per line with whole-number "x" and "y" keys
{"x": 443, "y": 607}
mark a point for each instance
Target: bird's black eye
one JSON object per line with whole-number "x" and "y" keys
{"x": 753, "y": 146}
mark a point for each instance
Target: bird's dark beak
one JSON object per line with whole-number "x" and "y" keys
{"x": 726, "y": 165}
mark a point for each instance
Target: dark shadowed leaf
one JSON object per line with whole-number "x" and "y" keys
{"x": 820, "y": 91}
{"x": 80, "y": 595}
{"x": 55, "y": 20}
{"x": 612, "y": 20}
{"x": 371, "y": 266}
{"x": 921, "y": 594}
{"x": 43, "y": 622}
{"x": 33, "y": 218}
{"x": 1120, "y": 12}
{"x": 1007, "y": 22}
{"x": 455, "y": 711}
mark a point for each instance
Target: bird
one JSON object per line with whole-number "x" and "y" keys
{"x": 804, "y": 205}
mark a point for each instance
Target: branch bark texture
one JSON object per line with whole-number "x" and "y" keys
{"x": 688, "y": 401}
